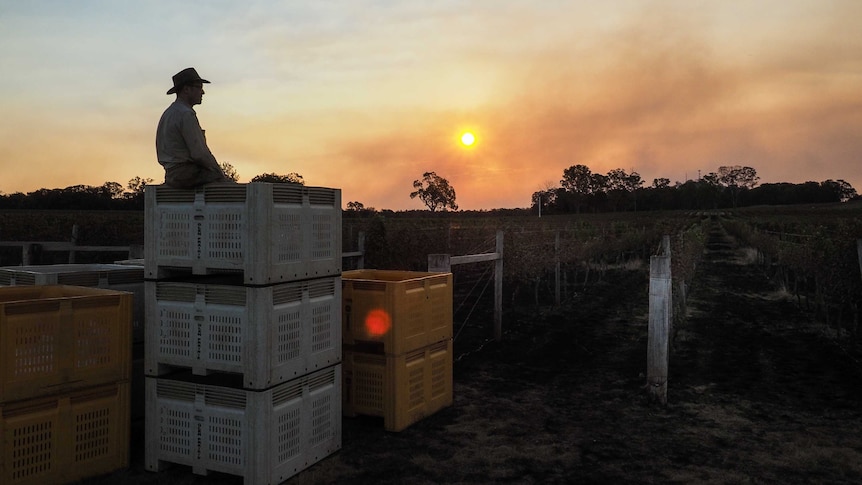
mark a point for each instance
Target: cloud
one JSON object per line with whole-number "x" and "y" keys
{"x": 655, "y": 96}
{"x": 368, "y": 97}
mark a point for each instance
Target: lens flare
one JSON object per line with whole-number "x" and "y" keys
{"x": 377, "y": 323}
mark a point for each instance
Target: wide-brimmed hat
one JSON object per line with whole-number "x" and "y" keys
{"x": 186, "y": 76}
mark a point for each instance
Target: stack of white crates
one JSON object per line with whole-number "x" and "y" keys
{"x": 243, "y": 335}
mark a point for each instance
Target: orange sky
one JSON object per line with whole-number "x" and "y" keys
{"x": 367, "y": 97}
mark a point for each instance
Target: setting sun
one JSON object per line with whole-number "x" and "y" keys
{"x": 467, "y": 139}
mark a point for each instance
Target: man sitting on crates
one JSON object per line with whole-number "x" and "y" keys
{"x": 181, "y": 146}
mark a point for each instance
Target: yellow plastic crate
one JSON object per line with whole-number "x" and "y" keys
{"x": 402, "y": 389}
{"x": 119, "y": 277}
{"x": 67, "y": 437}
{"x": 58, "y": 338}
{"x": 400, "y": 310}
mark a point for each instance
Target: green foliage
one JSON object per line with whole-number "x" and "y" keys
{"x": 136, "y": 186}
{"x": 586, "y": 246}
{"x": 95, "y": 228}
{"x": 357, "y": 207}
{"x": 229, "y": 171}
{"x": 812, "y": 255}
{"x": 377, "y": 255}
{"x": 578, "y": 179}
{"x": 291, "y": 178}
{"x": 581, "y": 190}
{"x": 112, "y": 190}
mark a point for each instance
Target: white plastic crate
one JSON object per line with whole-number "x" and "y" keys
{"x": 271, "y": 233}
{"x": 269, "y": 334}
{"x": 264, "y": 436}
{"x": 117, "y": 277}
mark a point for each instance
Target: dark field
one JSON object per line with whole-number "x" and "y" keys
{"x": 757, "y": 394}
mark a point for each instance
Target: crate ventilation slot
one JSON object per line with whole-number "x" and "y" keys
{"x": 169, "y": 195}
{"x": 224, "y": 397}
{"x": 79, "y": 279}
{"x": 175, "y": 292}
{"x": 175, "y": 390}
{"x": 285, "y": 394}
{"x": 321, "y": 288}
{"x": 286, "y": 294}
{"x": 324, "y": 379}
{"x": 225, "y": 295}
{"x": 233, "y": 194}
{"x": 287, "y": 194}
{"x": 41, "y": 306}
{"x": 321, "y": 197}
{"x": 369, "y": 285}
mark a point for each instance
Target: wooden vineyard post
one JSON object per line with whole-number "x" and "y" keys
{"x": 72, "y": 244}
{"x": 498, "y": 289}
{"x": 659, "y": 328}
{"x": 360, "y": 263}
{"x": 360, "y": 253}
{"x": 665, "y": 251}
{"x": 665, "y": 245}
{"x": 681, "y": 304}
{"x": 439, "y": 263}
{"x": 859, "y": 253}
{"x": 557, "y": 269}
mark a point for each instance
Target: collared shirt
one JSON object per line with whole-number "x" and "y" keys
{"x": 180, "y": 139}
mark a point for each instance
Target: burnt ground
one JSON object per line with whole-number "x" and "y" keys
{"x": 758, "y": 393}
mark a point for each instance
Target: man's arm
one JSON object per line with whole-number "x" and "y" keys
{"x": 196, "y": 143}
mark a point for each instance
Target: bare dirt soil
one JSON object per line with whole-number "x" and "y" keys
{"x": 757, "y": 394}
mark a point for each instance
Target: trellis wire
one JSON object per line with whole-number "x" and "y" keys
{"x": 476, "y": 302}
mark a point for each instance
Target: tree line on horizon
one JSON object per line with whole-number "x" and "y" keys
{"x": 580, "y": 190}
{"x": 112, "y": 195}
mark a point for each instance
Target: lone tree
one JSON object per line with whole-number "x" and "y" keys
{"x": 737, "y": 179}
{"x": 435, "y": 192}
